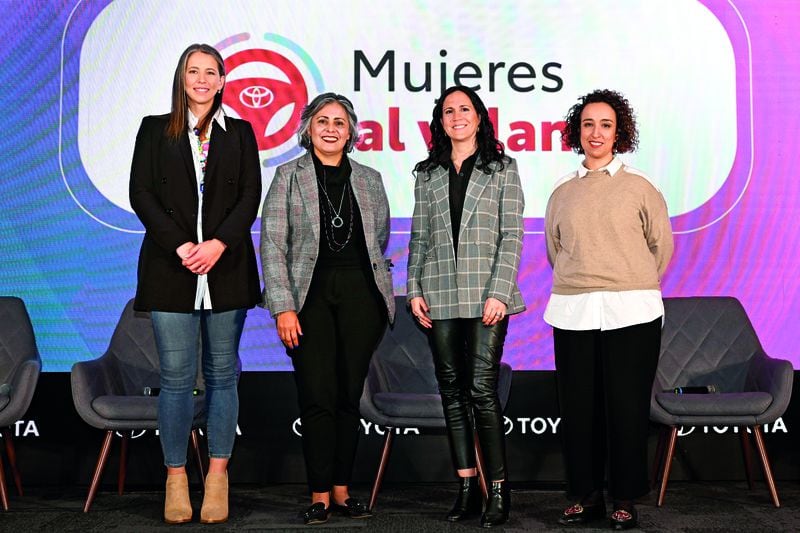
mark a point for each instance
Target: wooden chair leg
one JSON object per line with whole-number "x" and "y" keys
{"x": 3, "y": 492}
{"x": 198, "y": 456}
{"x": 387, "y": 449}
{"x": 762, "y": 451}
{"x": 658, "y": 459}
{"x": 673, "y": 435}
{"x": 123, "y": 463}
{"x": 12, "y": 461}
{"x": 98, "y": 471}
{"x": 481, "y": 468}
{"x": 748, "y": 456}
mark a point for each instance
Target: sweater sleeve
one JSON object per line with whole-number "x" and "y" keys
{"x": 658, "y": 230}
{"x": 551, "y": 234}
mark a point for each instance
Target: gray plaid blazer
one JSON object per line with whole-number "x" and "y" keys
{"x": 489, "y": 243}
{"x": 290, "y": 232}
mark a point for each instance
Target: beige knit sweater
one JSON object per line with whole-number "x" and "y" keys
{"x": 607, "y": 233}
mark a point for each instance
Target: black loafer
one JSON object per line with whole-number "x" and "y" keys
{"x": 315, "y": 514}
{"x": 580, "y": 514}
{"x": 624, "y": 519}
{"x": 352, "y": 508}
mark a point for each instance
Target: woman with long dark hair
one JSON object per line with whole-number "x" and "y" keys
{"x": 196, "y": 185}
{"x": 325, "y": 228}
{"x": 464, "y": 253}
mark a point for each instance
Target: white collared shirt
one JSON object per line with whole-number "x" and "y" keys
{"x": 603, "y": 310}
{"x": 202, "y": 297}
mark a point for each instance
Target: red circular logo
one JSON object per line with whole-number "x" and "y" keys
{"x": 258, "y": 100}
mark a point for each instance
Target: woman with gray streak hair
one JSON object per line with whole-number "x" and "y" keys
{"x": 325, "y": 228}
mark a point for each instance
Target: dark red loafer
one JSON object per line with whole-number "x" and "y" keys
{"x": 579, "y": 514}
{"x": 624, "y": 519}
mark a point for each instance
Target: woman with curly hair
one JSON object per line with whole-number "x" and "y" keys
{"x": 609, "y": 242}
{"x": 464, "y": 253}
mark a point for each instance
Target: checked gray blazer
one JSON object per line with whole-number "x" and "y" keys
{"x": 489, "y": 243}
{"x": 290, "y": 232}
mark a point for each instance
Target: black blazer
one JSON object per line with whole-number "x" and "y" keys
{"x": 163, "y": 193}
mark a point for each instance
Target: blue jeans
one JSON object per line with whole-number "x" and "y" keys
{"x": 178, "y": 338}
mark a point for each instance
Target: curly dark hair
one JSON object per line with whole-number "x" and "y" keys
{"x": 489, "y": 148}
{"x": 627, "y": 134}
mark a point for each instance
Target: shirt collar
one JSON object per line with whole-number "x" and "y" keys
{"x": 446, "y": 162}
{"x": 219, "y": 116}
{"x": 611, "y": 168}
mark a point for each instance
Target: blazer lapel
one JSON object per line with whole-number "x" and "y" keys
{"x": 219, "y": 139}
{"x": 307, "y": 183}
{"x": 185, "y": 149}
{"x": 440, "y": 187}
{"x": 363, "y": 198}
{"x": 477, "y": 182}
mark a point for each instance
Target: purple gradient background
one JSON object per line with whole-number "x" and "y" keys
{"x": 752, "y": 253}
{"x": 76, "y": 275}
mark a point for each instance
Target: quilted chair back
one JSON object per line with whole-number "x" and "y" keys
{"x": 20, "y": 362}
{"x": 706, "y": 341}
{"x": 132, "y": 357}
{"x": 403, "y": 361}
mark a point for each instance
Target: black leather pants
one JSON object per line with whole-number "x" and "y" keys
{"x": 467, "y": 357}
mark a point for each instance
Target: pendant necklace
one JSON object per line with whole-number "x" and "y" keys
{"x": 336, "y": 219}
{"x": 335, "y": 216}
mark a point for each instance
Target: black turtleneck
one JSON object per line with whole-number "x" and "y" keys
{"x": 354, "y": 253}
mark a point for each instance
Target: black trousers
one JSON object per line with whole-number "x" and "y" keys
{"x": 604, "y": 384}
{"x": 467, "y": 358}
{"x": 342, "y": 319}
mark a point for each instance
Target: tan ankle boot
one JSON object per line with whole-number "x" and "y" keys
{"x": 215, "y": 500}
{"x": 177, "y": 507}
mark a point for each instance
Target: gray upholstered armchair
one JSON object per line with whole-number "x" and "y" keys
{"x": 710, "y": 341}
{"x": 20, "y": 365}
{"x": 401, "y": 389}
{"x": 108, "y": 392}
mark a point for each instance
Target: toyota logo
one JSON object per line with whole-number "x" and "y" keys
{"x": 259, "y": 99}
{"x": 256, "y": 96}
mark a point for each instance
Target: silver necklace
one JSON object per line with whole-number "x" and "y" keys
{"x": 336, "y": 219}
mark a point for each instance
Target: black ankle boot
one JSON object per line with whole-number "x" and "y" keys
{"x": 498, "y": 506}
{"x": 469, "y": 501}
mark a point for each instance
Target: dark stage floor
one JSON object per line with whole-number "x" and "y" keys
{"x": 722, "y": 506}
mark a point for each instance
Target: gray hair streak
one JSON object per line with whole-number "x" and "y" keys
{"x": 313, "y": 108}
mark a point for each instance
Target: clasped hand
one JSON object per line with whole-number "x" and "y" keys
{"x": 200, "y": 258}
{"x": 493, "y": 311}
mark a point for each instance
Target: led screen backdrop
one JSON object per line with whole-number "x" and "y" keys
{"x": 714, "y": 84}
